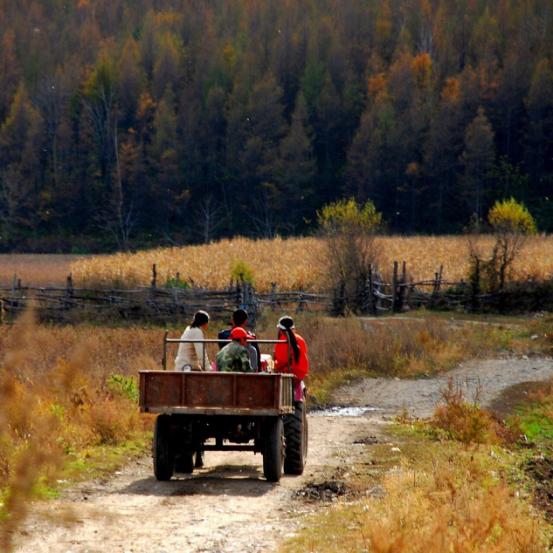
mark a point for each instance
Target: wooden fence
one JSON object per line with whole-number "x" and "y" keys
{"x": 166, "y": 304}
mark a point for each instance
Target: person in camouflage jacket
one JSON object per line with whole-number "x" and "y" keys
{"x": 234, "y": 357}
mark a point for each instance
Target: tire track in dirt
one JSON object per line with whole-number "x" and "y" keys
{"x": 228, "y": 507}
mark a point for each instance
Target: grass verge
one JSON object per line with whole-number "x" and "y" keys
{"x": 441, "y": 488}
{"x": 435, "y": 497}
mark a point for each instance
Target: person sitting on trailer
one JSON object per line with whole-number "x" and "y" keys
{"x": 292, "y": 357}
{"x": 240, "y": 319}
{"x": 234, "y": 356}
{"x": 193, "y": 356}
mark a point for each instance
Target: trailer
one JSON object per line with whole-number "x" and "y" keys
{"x": 224, "y": 411}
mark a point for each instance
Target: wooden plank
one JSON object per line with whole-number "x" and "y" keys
{"x": 228, "y": 411}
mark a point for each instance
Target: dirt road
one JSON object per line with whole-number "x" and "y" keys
{"x": 227, "y": 506}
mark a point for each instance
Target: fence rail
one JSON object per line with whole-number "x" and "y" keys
{"x": 376, "y": 296}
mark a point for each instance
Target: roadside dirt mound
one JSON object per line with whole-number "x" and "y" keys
{"x": 541, "y": 470}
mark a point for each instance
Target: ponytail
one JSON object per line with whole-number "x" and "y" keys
{"x": 286, "y": 325}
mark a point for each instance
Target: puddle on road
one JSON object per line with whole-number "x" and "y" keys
{"x": 344, "y": 411}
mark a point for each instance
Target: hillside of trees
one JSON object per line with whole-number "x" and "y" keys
{"x": 127, "y": 123}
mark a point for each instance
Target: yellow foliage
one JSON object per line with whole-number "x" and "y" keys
{"x": 451, "y": 92}
{"x": 377, "y": 84}
{"x": 342, "y": 215}
{"x": 510, "y": 216}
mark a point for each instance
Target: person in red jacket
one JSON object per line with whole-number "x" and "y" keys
{"x": 291, "y": 359}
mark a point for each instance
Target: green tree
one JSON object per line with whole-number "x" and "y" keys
{"x": 20, "y": 136}
{"x": 442, "y": 157}
{"x": 169, "y": 189}
{"x": 131, "y": 81}
{"x": 167, "y": 70}
{"x": 296, "y": 170}
{"x": 539, "y": 135}
{"x": 478, "y": 159}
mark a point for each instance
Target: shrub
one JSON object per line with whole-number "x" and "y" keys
{"x": 349, "y": 232}
{"x": 511, "y": 224}
{"x": 124, "y": 386}
{"x": 241, "y": 272}
{"x": 467, "y": 422}
{"x": 510, "y": 216}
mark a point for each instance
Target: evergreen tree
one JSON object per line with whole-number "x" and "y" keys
{"x": 442, "y": 160}
{"x": 294, "y": 190}
{"x": 169, "y": 190}
{"x": 478, "y": 160}
{"x": 19, "y": 165}
{"x": 539, "y": 136}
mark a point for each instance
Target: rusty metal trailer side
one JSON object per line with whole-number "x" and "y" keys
{"x": 203, "y": 393}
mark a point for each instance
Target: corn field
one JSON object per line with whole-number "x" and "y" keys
{"x": 294, "y": 263}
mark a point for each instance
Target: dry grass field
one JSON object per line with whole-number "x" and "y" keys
{"x": 36, "y": 269}
{"x": 295, "y": 263}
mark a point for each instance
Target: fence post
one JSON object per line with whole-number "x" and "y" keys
{"x": 301, "y": 303}
{"x": 339, "y": 300}
{"x": 402, "y": 287}
{"x": 475, "y": 286}
{"x": 394, "y": 288}
{"x": 439, "y": 283}
{"x": 70, "y": 290}
{"x": 253, "y": 305}
{"x": 272, "y": 297}
{"x": 154, "y": 276}
{"x": 371, "y": 295}
{"x": 239, "y": 298}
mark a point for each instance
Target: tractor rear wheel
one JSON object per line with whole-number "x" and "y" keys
{"x": 164, "y": 460}
{"x": 273, "y": 449}
{"x": 296, "y": 434}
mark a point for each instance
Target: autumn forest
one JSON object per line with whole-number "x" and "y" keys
{"x": 133, "y": 123}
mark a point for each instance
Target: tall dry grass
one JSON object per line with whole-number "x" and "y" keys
{"x": 58, "y": 397}
{"x": 451, "y": 502}
{"x": 296, "y": 263}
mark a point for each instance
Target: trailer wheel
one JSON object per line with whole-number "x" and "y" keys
{"x": 273, "y": 451}
{"x": 185, "y": 463}
{"x": 164, "y": 461}
{"x": 296, "y": 434}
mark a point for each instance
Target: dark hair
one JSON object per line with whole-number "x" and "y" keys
{"x": 286, "y": 324}
{"x": 239, "y": 317}
{"x": 200, "y": 319}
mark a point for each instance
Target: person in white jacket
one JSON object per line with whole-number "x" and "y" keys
{"x": 193, "y": 357}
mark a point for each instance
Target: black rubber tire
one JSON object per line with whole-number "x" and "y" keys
{"x": 164, "y": 460}
{"x": 185, "y": 463}
{"x": 273, "y": 450}
{"x": 296, "y": 435}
